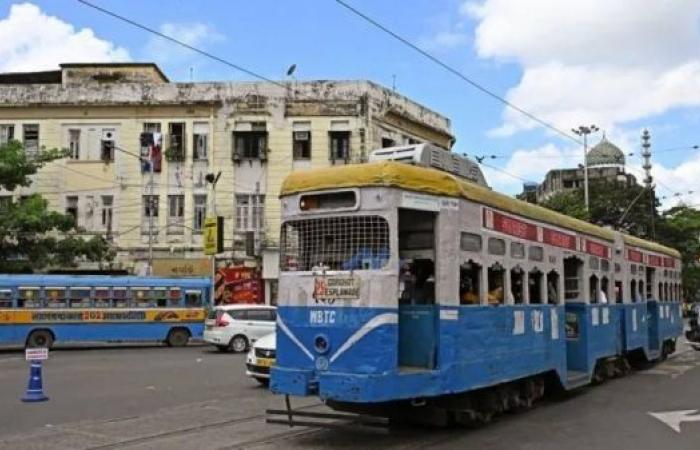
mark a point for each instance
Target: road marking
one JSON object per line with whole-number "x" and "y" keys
{"x": 674, "y": 419}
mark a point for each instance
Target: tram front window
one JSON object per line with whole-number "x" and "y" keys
{"x": 335, "y": 243}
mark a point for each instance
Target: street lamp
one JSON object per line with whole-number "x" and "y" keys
{"x": 584, "y": 131}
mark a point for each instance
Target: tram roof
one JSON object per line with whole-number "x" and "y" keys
{"x": 432, "y": 181}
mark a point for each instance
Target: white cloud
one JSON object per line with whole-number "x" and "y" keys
{"x": 32, "y": 40}
{"x": 592, "y": 61}
{"x": 195, "y": 34}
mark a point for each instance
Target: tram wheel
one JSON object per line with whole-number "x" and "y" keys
{"x": 40, "y": 338}
{"x": 178, "y": 337}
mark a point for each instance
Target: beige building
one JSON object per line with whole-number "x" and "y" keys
{"x": 254, "y": 133}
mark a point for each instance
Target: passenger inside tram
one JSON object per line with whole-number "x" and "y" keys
{"x": 496, "y": 276}
{"x": 469, "y": 275}
{"x": 418, "y": 282}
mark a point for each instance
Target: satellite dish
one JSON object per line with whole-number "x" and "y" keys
{"x": 291, "y": 70}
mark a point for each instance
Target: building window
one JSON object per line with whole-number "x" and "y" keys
{"x": 176, "y": 142}
{"x": 250, "y": 210}
{"x": 74, "y": 144}
{"x": 7, "y": 133}
{"x": 340, "y": 145}
{"x": 301, "y": 144}
{"x": 72, "y": 207}
{"x": 107, "y": 145}
{"x": 107, "y": 211}
{"x": 176, "y": 214}
{"x": 250, "y": 144}
{"x": 200, "y": 141}
{"x": 150, "y": 209}
{"x": 200, "y": 212}
{"x": 31, "y": 138}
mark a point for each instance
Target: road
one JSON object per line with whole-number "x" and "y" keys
{"x": 145, "y": 397}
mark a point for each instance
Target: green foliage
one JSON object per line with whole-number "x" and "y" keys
{"x": 680, "y": 229}
{"x": 31, "y": 235}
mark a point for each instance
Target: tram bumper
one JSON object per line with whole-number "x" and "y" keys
{"x": 298, "y": 382}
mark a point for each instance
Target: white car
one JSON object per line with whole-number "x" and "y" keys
{"x": 261, "y": 357}
{"x": 236, "y": 327}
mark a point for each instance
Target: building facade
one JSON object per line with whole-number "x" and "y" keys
{"x": 605, "y": 161}
{"x": 254, "y": 133}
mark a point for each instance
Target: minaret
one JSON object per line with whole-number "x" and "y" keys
{"x": 646, "y": 154}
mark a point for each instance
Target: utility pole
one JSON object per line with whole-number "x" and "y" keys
{"x": 648, "y": 179}
{"x": 150, "y": 209}
{"x": 584, "y": 131}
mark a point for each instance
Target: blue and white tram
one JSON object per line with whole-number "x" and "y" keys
{"x": 408, "y": 286}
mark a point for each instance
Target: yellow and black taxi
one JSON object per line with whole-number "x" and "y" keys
{"x": 260, "y": 358}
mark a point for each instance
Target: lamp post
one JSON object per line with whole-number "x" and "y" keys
{"x": 584, "y": 131}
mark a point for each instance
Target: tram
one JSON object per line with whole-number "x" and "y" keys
{"x": 407, "y": 290}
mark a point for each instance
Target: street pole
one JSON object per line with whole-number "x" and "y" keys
{"x": 584, "y": 131}
{"x": 150, "y": 211}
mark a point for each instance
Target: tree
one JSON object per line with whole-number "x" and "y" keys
{"x": 32, "y": 236}
{"x": 680, "y": 229}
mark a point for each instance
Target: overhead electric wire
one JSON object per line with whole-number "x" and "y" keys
{"x": 181, "y": 43}
{"x": 454, "y": 71}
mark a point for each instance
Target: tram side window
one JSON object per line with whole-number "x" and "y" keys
{"x": 193, "y": 299}
{"x": 605, "y": 265}
{"x": 55, "y": 297}
{"x": 517, "y": 250}
{"x": 470, "y": 242}
{"x": 661, "y": 292}
{"x": 5, "y": 298}
{"x": 552, "y": 288}
{"x": 469, "y": 283}
{"x": 593, "y": 263}
{"x": 101, "y": 297}
{"x": 80, "y": 297}
{"x": 496, "y": 280}
{"x": 641, "y": 290}
{"x": 593, "y": 289}
{"x": 618, "y": 291}
{"x": 174, "y": 297}
{"x": 497, "y": 246}
{"x": 666, "y": 292}
{"x": 633, "y": 291}
{"x": 573, "y": 274}
{"x": 119, "y": 297}
{"x": 534, "y": 282}
{"x": 604, "y": 289}
{"x": 29, "y": 298}
{"x": 536, "y": 253}
{"x": 517, "y": 285}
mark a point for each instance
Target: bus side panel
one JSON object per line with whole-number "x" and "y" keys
{"x": 125, "y": 332}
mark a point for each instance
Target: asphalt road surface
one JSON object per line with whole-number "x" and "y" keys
{"x": 145, "y": 397}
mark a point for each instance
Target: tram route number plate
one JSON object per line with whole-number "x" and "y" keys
{"x": 36, "y": 354}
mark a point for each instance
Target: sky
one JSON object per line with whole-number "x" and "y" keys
{"x": 617, "y": 65}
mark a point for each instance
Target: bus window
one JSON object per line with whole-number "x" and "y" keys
{"x": 55, "y": 297}
{"x": 80, "y": 297}
{"x": 573, "y": 268}
{"x": 174, "y": 297}
{"x": 119, "y": 297}
{"x": 553, "y": 288}
{"x": 516, "y": 285}
{"x": 102, "y": 297}
{"x": 193, "y": 299}
{"x": 28, "y": 297}
{"x": 141, "y": 297}
{"x": 496, "y": 280}
{"x": 160, "y": 297}
{"x": 534, "y": 283}
{"x": 469, "y": 283}
{"x": 5, "y": 298}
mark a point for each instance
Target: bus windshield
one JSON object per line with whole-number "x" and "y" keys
{"x": 335, "y": 243}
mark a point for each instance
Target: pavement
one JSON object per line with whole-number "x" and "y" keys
{"x": 152, "y": 397}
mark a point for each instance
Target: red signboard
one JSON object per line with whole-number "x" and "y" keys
{"x": 238, "y": 285}
{"x": 597, "y": 249}
{"x": 635, "y": 256}
{"x": 509, "y": 225}
{"x": 654, "y": 260}
{"x": 559, "y": 239}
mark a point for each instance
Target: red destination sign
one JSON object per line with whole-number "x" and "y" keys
{"x": 510, "y": 225}
{"x": 669, "y": 262}
{"x": 654, "y": 260}
{"x": 559, "y": 239}
{"x": 596, "y": 249}
{"x": 635, "y": 256}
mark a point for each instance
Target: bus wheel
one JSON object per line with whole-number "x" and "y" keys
{"x": 178, "y": 337}
{"x": 40, "y": 338}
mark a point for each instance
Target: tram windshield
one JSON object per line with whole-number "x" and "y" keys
{"x": 335, "y": 243}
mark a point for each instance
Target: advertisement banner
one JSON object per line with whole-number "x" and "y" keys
{"x": 238, "y": 285}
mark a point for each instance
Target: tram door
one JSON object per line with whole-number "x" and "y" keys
{"x": 417, "y": 305}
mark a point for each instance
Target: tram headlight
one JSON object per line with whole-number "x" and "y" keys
{"x": 321, "y": 344}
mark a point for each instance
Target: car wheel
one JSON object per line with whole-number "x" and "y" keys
{"x": 40, "y": 338}
{"x": 178, "y": 337}
{"x": 239, "y": 344}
